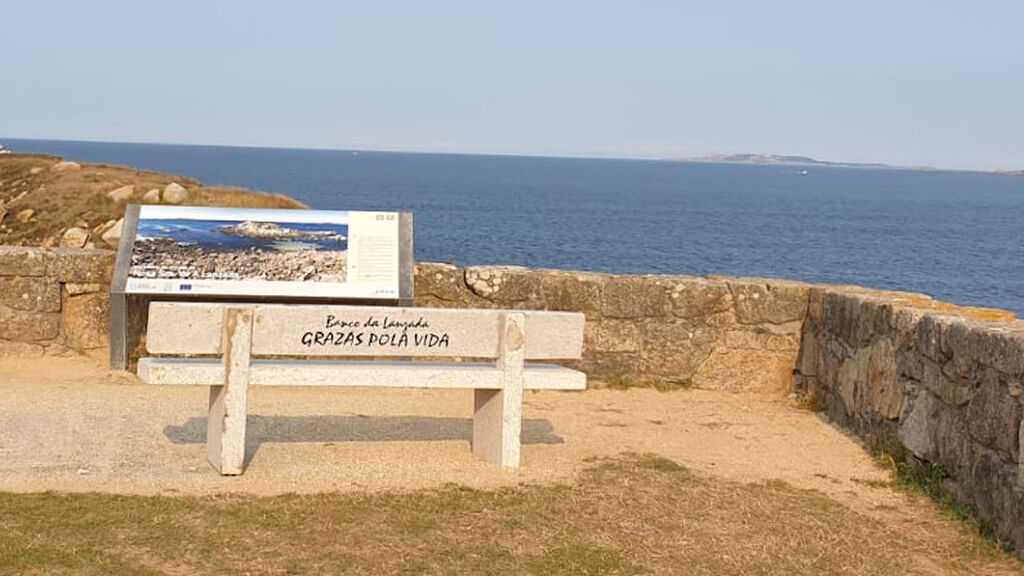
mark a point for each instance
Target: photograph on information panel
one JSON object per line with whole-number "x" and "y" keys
{"x": 197, "y": 250}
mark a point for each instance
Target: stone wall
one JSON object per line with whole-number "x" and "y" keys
{"x": 944, "y": 385}
{"x": 53, "y": 300}
{"x": 718, "y": 332}
{"x": 737, "y": 333}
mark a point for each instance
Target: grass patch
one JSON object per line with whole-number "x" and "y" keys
{"x": 634, "y": 514}
{"x": 811, "y": 401}
{"x": 578, "y": 559}
{"x": 928, "y": 479}
{"x": 621, "y": 382}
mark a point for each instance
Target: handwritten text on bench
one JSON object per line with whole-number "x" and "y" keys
{"x": 374, "y": 331}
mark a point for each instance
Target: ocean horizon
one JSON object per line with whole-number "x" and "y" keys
{"x": 956, "y": 236}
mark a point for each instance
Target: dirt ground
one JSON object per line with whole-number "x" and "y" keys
{"x": 68, "y": 424}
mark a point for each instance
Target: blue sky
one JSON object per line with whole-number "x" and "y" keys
{"x": 907, "y": 82}
{"x": 241, "y": 214}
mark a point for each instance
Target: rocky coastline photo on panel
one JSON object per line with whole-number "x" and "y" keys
{"x": 240, "y": 250}
{"x": 270, "y": 230}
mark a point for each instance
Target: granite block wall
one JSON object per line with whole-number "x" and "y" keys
{"x": 944, "y": 385}
{"x": 54, "y": 300}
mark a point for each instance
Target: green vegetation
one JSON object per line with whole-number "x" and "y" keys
{"x": 927, "y": 479}
{"x": 811, "y": 401}
{"x": 662, "y": 385}
{"x": 630, "y": 515}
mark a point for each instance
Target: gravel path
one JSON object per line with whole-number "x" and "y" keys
{"x": 69, "y": 424}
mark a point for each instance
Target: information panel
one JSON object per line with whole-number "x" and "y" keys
{"x": 185, "y": 250}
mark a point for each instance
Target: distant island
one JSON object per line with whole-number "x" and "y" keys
{"x": 780, "y": 160}
{"x": 272, "y": 231}
{"x": 807, "y": 161}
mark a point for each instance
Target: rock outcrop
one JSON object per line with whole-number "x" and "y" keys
{"x": 163, "y": 258}
{"x": 122, "y": 193}
{"x": 175, "y": 193}
{"x": 65, "y": 166}
{"x": 112, "y": 234}
{"x": 272, "y": 231}
{"x": 74, "y": 237}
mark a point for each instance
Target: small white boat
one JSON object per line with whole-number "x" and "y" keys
{"x": 4, "y": 150}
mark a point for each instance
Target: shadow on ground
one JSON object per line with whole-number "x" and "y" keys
{"x": 260, "y": 429}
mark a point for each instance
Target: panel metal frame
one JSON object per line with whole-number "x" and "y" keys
{"x": 129, "y": 312}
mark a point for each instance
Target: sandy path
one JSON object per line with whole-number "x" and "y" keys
{"x": 68, "y": 424}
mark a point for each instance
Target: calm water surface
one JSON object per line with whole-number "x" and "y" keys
{"x": 955, "y": 236}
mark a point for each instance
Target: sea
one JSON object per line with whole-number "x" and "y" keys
{"x": 957, "y": 236}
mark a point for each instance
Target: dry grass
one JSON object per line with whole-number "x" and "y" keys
{"x": 79, "y": 197}
{"x": 661, "y": 385}
{"x": 632, "y": 515}
{"x": 928, "y": 479}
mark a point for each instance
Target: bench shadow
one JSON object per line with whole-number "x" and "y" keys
{"x": 260, "y": 429}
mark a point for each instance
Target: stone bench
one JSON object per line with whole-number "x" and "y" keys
{"x": 285, "y": 345}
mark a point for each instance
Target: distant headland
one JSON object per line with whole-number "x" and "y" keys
{"x": 807, "y": 161}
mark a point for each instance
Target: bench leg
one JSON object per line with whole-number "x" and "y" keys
{"x": 497, "y": 424}
{"x": 498, "y": 414}
{"x": 225, "y": 425}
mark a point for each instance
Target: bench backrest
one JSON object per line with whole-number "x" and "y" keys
{"x": 310, "y": 330}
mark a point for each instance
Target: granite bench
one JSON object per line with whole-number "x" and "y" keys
{"x": 230, "y": 347}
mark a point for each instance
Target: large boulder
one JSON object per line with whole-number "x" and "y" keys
{"x": 122, "y": 194}
{"x": 113, "y": 234}
{"x": 65, "y": 165}
{"x": 74, "y": 237}
{"x": 152, "y": 196}
{"x": 175, "y": 193}
{"x": 100, "y": 229}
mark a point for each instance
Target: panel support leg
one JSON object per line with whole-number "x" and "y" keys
{"x": 225, "y": 425}
{"x": 498, "y": 414}
{"x": 118, "y": 331}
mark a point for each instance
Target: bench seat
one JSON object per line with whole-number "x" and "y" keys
{"x": 308, "y": 345}
{"x": 467, "y": 375}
